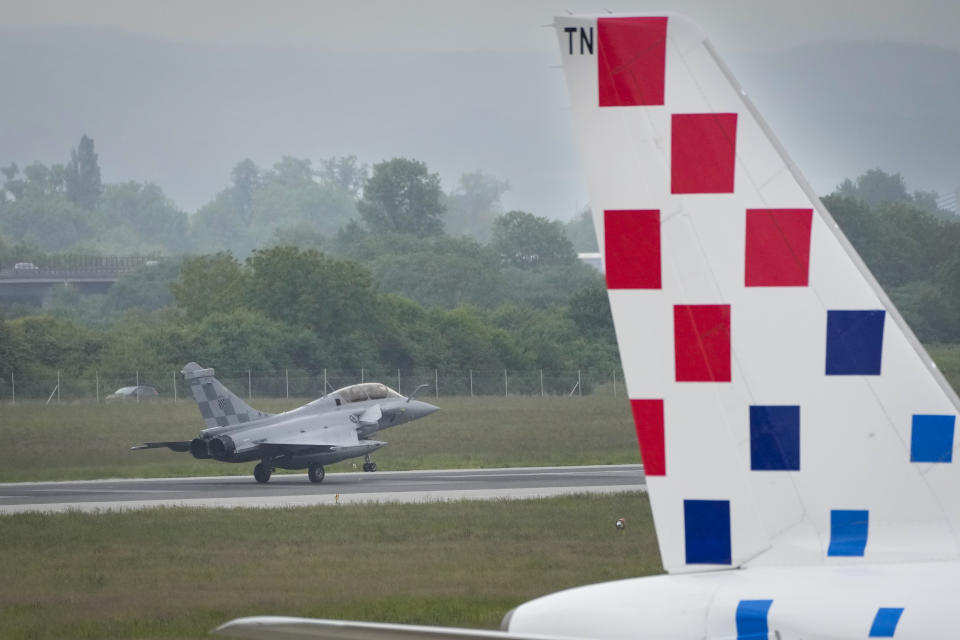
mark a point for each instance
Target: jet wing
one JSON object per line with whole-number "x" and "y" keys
{"x": 284, "y": 627}
{"x": 180, "y": 446}
{"x": 331, "y": 439}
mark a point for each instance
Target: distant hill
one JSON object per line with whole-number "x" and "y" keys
{"x": 182, "y": 115}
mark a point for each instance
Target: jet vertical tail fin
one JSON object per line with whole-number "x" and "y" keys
{"x": 786, "y": 414}
{"x": 219, "y": 406}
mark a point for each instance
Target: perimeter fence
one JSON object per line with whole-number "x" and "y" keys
{"x": 297, "y": 383}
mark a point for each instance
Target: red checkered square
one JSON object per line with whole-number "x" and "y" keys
{"x": 778, "y": 247}
{"x": 632, "y": 248}
{"x": 648, "y": 421}
{"x": 703, "y": 151}
{"x": 701, "y": 342}
{"x": 631, "y": 61}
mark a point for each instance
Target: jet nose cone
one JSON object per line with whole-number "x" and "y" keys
{"x": 418, "y": 409}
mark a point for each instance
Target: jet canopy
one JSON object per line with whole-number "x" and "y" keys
{"x": 366, "y": 391}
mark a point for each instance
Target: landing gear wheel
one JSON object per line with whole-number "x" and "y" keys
{"x": 370, "y": 466}
{"x": 316, "y": 473}
{"x": 373, "y": 466}
{"x": 262, "y": 473}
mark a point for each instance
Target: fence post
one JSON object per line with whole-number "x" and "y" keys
{"x": 58, "y": 386}
{"x": 136, "y": 391}
{"x": 97, "y": 377}
{"x": 614, "y": 383}
{"x": 579, "y": 386}
{"x": 471, "y": 383}
{"x": 505, "y": 387}
{"x": 286, "y": 378}
{"x": 361, "y": 375}
{"x": 249, "y": 386}
{"x": 541, "y": 383}
{"x": 174, "y": 386}
{"x": 13, "y": 389}
{"x": 398, "y": 380}
{"x": 436, "y": 384}
{"x": 324, "y": 382}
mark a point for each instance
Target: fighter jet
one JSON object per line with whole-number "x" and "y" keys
{"x": 335, "y": 427}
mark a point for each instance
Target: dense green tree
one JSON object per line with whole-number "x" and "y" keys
{"x": 525, "y": 240}
{"x": 876, "y": 187}
{"x": 50, "y": 343}
{"x": 42, "y": 180}
{"x": 138, "y": 218}
{"x": 462, "y": 339}
{"x": 439, "y": 271}
{"x": 220, "y": 225}
{"x": 12, "y": 352}
{"x": 246, "y": 179}
{"x": 581, "y": 233}
{"x": 12, "y": 184}
{"x": 147, "y": 288}
{"x": 49, "y": 223}
{"x": 210, "y": 284}
{"x": 474, "y": 204}
{"x": 308, "y": 289}
{"x": 308, "y": 207}
{"x": 242, "y": 339}
{"x": 290, "y": 172}
{"x": 402, "y": 196}
{"x": 345, "y": 174}
{"x": 82, "y": 175}
{"x": 589, "y": 309}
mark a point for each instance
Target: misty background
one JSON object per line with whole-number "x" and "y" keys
{"x": 183, "y": 115}
{"x": 257, "y": 162}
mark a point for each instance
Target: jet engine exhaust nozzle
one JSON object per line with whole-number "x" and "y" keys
{"x": 199, "y": 449}
{"x": 222, "y": 447}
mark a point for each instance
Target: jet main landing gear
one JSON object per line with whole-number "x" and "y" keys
{"x": 368, "y": 464}
{"x": 262, "y": 472}
{"x": 316, "y": 473}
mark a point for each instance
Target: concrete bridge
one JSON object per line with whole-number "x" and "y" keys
{"x": 30, "y": 283}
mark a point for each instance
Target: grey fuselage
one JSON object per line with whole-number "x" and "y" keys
{"x": 292, "y": 440}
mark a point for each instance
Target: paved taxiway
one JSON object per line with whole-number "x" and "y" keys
{"x": 295, "y": 490}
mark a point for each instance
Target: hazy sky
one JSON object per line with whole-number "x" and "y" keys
{"x": 453, "y": 122}
{"x": 449, "y": 25}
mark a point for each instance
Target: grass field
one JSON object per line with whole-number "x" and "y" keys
{"x": 89, "y": 440}
{"x": 176, "y": 573}
{"x": 86, "y": 440}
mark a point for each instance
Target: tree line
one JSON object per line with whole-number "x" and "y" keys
{"x": 67, "y": 208}
{"x": 378, "y": 267}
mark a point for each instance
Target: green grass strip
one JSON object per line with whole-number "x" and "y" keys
{"x": 178, "y": 572}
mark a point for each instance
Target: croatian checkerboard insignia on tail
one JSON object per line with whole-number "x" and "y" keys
{"x": 785, "y": 412}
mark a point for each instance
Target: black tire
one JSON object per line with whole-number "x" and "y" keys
{"x": 373, "y": 467}
{"x": 316, "y": 473}
{"x": 262, "y": 473}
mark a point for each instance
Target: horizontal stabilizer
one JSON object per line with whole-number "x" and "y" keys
{"x": 179, "y": 446}
{"x": 284, "y": 627}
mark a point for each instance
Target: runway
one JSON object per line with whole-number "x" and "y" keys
{"x": 338, "y": 488}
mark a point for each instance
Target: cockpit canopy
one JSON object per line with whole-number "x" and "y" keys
{"x": 366, "y": 391}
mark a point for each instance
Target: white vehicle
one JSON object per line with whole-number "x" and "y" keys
{"x": 797, "y": 439}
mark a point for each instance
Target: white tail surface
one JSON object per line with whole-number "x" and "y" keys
{"x": 785, "y": 412}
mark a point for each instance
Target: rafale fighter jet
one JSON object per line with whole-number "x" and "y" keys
{"x": 335, "y": 427}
